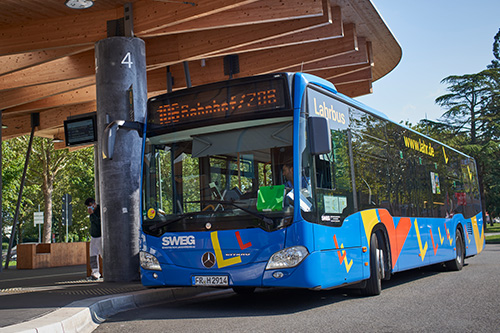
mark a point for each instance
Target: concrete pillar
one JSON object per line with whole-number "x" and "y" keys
{"x": 120, "y": 80}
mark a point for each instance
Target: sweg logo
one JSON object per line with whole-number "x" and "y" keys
{"x": 178, "y": 241}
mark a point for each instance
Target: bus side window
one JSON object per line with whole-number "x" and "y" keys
{"x": 324, "y": 171}
{"x": 333, "y": 181}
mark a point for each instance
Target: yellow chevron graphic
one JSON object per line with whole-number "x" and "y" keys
{"x": 369, "y": 218}
{"x": 478, "y": 237}
{"x": 441, "y": 239}
{"x": 221, "y": 262}
{"x": 347, "y": 265}
{"x": 423, "y": 250}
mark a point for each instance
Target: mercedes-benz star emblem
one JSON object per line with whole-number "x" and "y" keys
{"x": 208, "y": 259}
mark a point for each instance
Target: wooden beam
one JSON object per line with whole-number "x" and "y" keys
{"x": 278, "y": 59}
{"x": 50, "y": 118}
{"x": 155, "y": 16}
{"x": 15, "y": 62}
{"x": 314, "y": 34}
{"x": 332, "y": 73}
{"x": 78, "y": 30}
{"x": 14, "y": 97}
{"x": 168, "y": 50}
{"x": 88, "y": 28}
{"x": 162, "y": 51}
{"x": 71, "y": 67}
{"x": 356, "y": 57}
{"x": 364, "y": 74}
{"x": 252, "y": 63}
{"x": 252, "y": 13}
{"x": 355, "y": 89}
{"x": 77, "y": 96}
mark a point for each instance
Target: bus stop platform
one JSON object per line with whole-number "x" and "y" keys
{"x": 62, "y": 299}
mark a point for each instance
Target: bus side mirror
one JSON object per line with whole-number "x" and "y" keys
{"x": 319, "y": 136}
{"x": 109, "y": 137}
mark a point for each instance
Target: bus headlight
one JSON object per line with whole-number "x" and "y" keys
{"x": 287, "y": 258}
{"x": 149, "y": 261}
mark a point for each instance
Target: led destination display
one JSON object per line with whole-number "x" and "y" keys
{"x": 229, "y": 99}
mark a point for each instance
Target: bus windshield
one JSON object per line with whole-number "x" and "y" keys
{"x": 217, "y": 178}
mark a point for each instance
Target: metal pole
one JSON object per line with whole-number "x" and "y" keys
{"x": 39, "y": 229}
{"x": 21, "y": 187}
{"x": 96, "y": 174}
{"x": 1, "y": 190}
{"x": 66, "y": 219}
{"x": 187, "y": 74}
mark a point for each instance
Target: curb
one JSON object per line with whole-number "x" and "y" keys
{"x": 86, "y": 315}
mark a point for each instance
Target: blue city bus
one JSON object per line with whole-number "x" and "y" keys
{"x": 279, "y": 180}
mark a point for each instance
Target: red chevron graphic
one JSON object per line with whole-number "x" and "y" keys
{"x": 341, "y": 258}
{"x": 397, "y": 236}
{"x": 435, "y": 246}
{"x": 240, "y": 242}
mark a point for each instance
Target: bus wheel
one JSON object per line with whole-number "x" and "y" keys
{"x": 457, "y": 263}
{"x": 374, "y": 283}
{"x": 244, "y": 291}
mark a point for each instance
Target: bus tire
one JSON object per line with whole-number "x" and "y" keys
{"x": 458, "y": 263}
{"x": 244, "y": 291}
{"x": 374, "y": 283}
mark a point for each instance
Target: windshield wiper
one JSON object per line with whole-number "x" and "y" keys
{"x": 262, "y": 217}
{"x": 157, "y": 226}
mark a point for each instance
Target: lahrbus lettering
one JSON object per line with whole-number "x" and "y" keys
{"x": 178, "y": 240}
{"x": 328, "y": 112}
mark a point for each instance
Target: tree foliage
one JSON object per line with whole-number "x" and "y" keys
{"x": 471, "y": 123}
{"x": 51, "y": 174}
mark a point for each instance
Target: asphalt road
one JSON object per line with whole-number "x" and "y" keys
{"x": 425, "y": 300}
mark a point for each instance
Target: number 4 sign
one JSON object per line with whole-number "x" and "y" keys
{"x": 127, "y": 60}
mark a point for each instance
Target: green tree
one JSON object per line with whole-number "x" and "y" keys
{"x": 471, "y": 123}
{"x": 76, "y": 179}
{"x": 14, "y": 152}
{"x": 45, "y": 165}
{"x": 50, "y": 175}
{"x": 465, "y": 103}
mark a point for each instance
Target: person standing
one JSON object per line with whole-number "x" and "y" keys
{"x": 95, "y": 237}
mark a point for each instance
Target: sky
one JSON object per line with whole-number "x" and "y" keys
{"x": 439, "y": 38}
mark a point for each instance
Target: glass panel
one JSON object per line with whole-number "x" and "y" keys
{"x": 371, "y": 161}
{"x": 185, "y": 191}
{"x": 332, "y": 194}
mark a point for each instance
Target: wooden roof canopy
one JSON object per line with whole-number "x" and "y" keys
{"x": 47, "y": 60}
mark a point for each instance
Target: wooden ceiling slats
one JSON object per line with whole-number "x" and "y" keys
{"x": 88, "y": 28}
{"x": 75, "y": 30}
{"x": 210, "y": 43}
{"x": 317, "y": 31}
{"x": 80, "y": 95}
{"x": 47, "y": 60}
{"x": 356, "y": 57}
{"x": 15, "y": 62}
{"x": 149, "y": 17}
{"x": 254, "y": 13}
{"x": 14, "y": 97}
{"x": 66, "y": 68}
{"x": 250, "y": 63}
{"x": 49, "y": 119}
{"x": 362, "y": 74}
{"x": 355, "y": 88}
